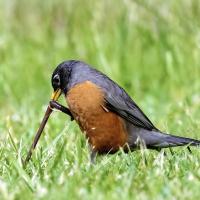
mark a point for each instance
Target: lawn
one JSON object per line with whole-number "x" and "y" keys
{"x": 151, "y": 48}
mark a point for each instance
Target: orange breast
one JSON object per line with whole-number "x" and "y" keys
{"x": 105, "y": 130}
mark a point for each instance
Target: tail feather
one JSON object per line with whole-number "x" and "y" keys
{"x": 167, "y": 140}
{"x": 158, "y": 140}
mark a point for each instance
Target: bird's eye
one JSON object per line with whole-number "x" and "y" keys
{"x": 56, "y": 80}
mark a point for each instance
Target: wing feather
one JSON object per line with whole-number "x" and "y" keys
{"x": 125, "y": 107}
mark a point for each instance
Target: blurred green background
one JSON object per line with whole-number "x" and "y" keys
{"x": 151, "y": 48}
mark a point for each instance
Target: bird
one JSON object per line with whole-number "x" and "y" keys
{"x": 105, "y": 113}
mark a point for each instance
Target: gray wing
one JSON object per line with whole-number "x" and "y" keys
{"x": 118, "y": 101}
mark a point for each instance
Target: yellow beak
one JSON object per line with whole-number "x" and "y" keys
{"x": 56, "y": 94}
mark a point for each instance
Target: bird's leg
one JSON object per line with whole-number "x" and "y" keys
{"x": 93, "y": 155}
{"x": 190, "y": 151}
{"x": 57, "y": 106}
{"x": 171, "y": 151}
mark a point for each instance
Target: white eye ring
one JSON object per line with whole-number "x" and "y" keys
{"x": 56, "y": 78}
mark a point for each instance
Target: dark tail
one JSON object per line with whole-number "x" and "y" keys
{"x": 162, "y": 140}
{"x": 158, "y": 140}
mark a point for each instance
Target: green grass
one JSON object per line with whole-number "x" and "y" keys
{"x": 151, "y": 48}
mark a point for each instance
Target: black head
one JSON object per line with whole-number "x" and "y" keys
{"x": 60, "y": 78}
{"x": 61, "y": 75}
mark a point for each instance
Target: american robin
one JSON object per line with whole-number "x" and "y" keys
{"x": 106, "y": 114}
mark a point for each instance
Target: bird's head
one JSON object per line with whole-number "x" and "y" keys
{"x": 60, "y": 78}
